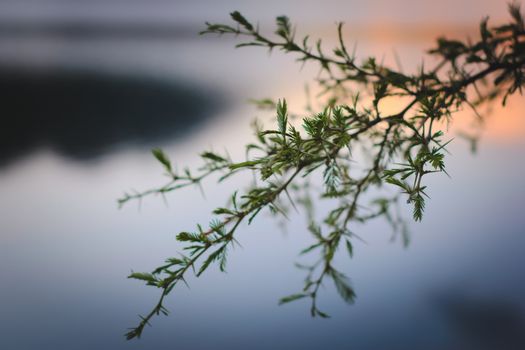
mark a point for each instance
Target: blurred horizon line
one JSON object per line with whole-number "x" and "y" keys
{"x": 146, "y": 30}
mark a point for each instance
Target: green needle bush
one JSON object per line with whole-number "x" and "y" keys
{"x": 403, "y": 147}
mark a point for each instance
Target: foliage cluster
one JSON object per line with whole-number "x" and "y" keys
{"x": 404, "y": 147}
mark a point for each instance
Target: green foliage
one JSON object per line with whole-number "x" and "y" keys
{"x": 403, "y": 147}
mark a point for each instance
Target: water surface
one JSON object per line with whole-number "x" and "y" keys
{"x": 65, "y": 249}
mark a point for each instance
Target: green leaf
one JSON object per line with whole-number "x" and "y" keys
{"x": 143, "y": 276}
{"x": 214, "y": 157}
{"x": 310, "y": 248}
{"x": 350, "y": 248}
{"x": 292, "y": 297}
{"x": 321, "y": 314}
{"x": 175, "y": 261}
{"x": 343, "y": 287}
{"x": 247, "y": 164}
{"x": 162, "y": 158}
{"x": 419, "y": 206}
{"x": 221, "y": 211}
{"x": 397, "y": 79}
{"x": 399, "y": 183}
{"x": 190, "y": 237}
{"x": 216, "y": 255}
{"x": 237, "y": 17}
{"x": 282, "y": 117}
{"x": 283, "y": 27}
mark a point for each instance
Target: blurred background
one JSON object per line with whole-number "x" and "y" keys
{"x": 87, "y": 88}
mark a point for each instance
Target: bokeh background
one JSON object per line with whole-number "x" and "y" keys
{"x": 87, "y": 88}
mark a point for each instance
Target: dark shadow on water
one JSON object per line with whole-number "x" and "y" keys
{"x": 481, "y": 323}
{"x": 101, "y": 30}
{"x": 84, "y": 114}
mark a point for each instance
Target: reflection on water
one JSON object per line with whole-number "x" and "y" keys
{"x": 65, "y": 249}
{"x": 83, "y": 114}
{"x": 484, "y": 324}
